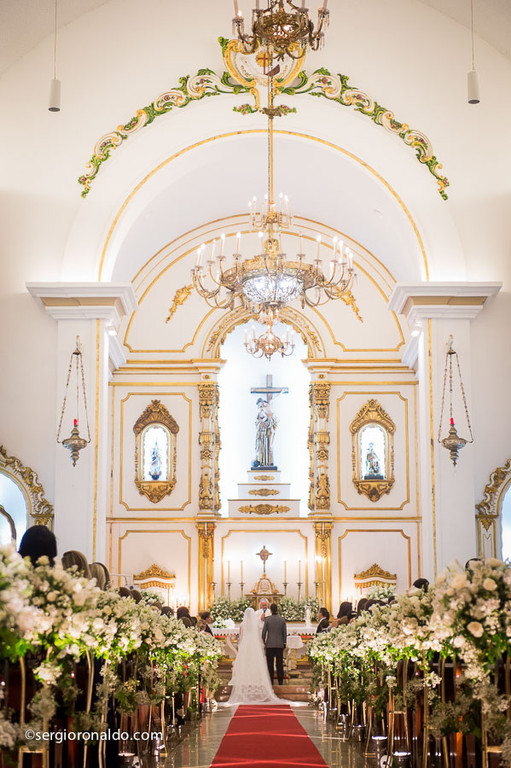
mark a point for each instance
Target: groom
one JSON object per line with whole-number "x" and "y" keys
{"x": 275, "y": 638}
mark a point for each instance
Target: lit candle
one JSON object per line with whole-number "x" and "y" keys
{"x": 228, "y": 570}
{"x": 319, "y": 245}
{"x": 238, "y": 242}
{"x": 325, "y": 3}
{"x": 341, "y": 251}
{"x": 284, "y": 570}
{"x": 222, "y": 243}
{"x": 301, "y": 246}
{"x": 213, "y": 249}
{"x": 350, "y": 261}
{"x": 236, "y": 8}
{"x": 299, "y": 570}
{"x": 257, "y": 5}
{"x": 241, "y": 570}
{"x": 303, "y": 3}
{"x": 199, "y": 257}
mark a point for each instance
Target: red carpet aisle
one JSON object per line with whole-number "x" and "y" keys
{"x": 262, "y": 736}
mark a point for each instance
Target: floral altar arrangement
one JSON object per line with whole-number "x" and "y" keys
{"x": 294, "y": 610}
{"x": 443, "y": 655}
{"x": 223, "y": 609}
{"x": 76, "y": 649}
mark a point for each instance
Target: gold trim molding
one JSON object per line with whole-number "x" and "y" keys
{"x": 264, "y": 492}
{"x": 263, "y": 509}
{"x": 153, "y": 572}
{"x": 264, "y": 477}
{"x": 39, "y": 508}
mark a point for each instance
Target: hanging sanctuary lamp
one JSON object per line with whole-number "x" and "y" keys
{"x": 74, "y": 442}
{"x": 453, "y": 442}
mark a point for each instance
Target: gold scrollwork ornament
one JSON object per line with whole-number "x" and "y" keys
{"x": 155, "y": 414}
{"x": 263, "y": 509}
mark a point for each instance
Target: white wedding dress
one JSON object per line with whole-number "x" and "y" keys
{"x": 250, "y": 679}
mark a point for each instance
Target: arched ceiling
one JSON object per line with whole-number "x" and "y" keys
{"x": 25, "y": 23}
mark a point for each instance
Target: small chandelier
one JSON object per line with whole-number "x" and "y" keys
{"x": 453, "y": 442}
{"x": 286, "y": 32}
{"x": 74, "y": 442}
{"x": 268, "y": 342}
{"x": 268, "y": 280}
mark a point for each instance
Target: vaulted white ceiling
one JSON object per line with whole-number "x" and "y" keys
{"x": 24, "y": 23}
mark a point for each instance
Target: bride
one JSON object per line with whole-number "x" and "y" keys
{"x": 250, "y": 678}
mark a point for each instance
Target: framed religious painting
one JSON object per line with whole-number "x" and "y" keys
{"x": 372, "y": 433}
{"x": 155, "y": 452}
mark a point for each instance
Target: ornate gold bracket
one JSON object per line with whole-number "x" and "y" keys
{"x": 373, "y": 413}
{"x": 373, "y": 577}
{"x": 264, "y": 492}
{"x": 263, "y": 509}
{"x": 155, "y": 414}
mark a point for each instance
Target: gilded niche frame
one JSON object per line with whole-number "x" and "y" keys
{"x": 372, "y": 414}
{"x": 155, "y": 415}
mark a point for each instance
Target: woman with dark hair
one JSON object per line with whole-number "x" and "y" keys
{"x": 38, "y": 541}
{"x": 362, "y": 605}
{"x": 421, "y": 584}
{"x": 345, "y": 609}
{"x": 78, "y": 559}
{"x": 99, "y": 571}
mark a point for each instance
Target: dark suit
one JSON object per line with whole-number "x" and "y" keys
{"x": 275, "y": 638}
{"x": 207, "y": 629}
{"x": 322, "y": 626}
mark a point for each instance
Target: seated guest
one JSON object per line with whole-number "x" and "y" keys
{"x": 99, "y": 571}
{"x": 421, "y": 584}
{"x": 324, "y": 620}
{"x": 361, "y": 606}
{"x": 38, "y": 541}
{"x": 135, "y": 594}
{"x": 205, "y": 621}
{"x": 167, "y": 610}
{"x": 78, "y": 559}
{"x": 193, "y": 620}
{"x": 345, "y": 609}
{"x": 182, "y": 611}
{"x": 186, "y": 620}
{"x": 124, "y": 592}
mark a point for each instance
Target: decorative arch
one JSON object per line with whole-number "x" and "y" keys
{"x": 39, "y": 508}
{"x": 488, "y": 516}
{"x": 220, "y": 330}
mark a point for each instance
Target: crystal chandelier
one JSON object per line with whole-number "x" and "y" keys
{"x": 270, "y": 279}
{"x": 268, "y": 342}
{"x": 283, "y": 27}
{"x": 453, "y": 442}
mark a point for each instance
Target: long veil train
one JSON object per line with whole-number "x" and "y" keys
{"x": 250, "y": 679}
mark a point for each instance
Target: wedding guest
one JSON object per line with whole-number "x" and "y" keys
{"x": 205, "y": 621}
{"x": 135, "y": 594}
{"x": 38, "y": 541}
{"x": 421, "y": 584}
{"x": 362, "y": 603}
{"x": 124, "y": 592}
{"x": 99, "y": 572}
{"x": 167, "y": 610}
{"x": 182, "y": 611}
{"x": 74, "y": 558}
{"x": 345, "y": 609}
{"x": 324, "y": 620}
{"x": 193, "y": 621}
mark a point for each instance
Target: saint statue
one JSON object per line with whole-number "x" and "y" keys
{"x": 266, "y": 424}
{"x": 372, "y": 462}
{"x": 155, "y": 465}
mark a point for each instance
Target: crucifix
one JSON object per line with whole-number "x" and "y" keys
{"x": 264, "y": 555}
{"x": 266, "y": 424}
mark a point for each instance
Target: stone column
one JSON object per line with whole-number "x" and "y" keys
{"x": 319, "y": 441}
{"x": 323, "y": 564}
{"x": 435, "y": 311}
{"x": 92, "y": 311}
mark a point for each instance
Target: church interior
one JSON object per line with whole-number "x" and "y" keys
{"x": 253, "y": 342}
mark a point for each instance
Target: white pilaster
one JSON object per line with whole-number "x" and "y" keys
{"x": 93, "y": 312}
{"x": 435, "y": 311}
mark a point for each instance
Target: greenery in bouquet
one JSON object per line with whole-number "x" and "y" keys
{"x": 381, "y": 592}
{"x": 18, "y": 618}
{"x": 294, "y": 610}
{"x": 223, "y": 609}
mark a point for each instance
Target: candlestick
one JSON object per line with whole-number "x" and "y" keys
{"x": 229, "y": 591}
{"x": 299, "y": 590}
{"x": 285, "y": 587}
{"x": 242, "y": 584}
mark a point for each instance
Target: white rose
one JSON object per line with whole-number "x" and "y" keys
{"x": 475, "y": 628}
{"x": 459, "y": 641}
{"x": 490, "y": 585}
{"x": 459, "y": 580}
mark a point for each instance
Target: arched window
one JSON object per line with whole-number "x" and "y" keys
{"x": 506, "y": 524}
{"x": 372, "y": 433}
{"x": 155, "y": 452}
